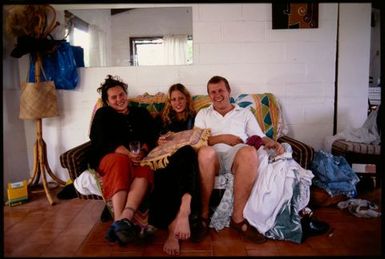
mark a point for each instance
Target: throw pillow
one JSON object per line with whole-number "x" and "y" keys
{"x": 158, "y": 157}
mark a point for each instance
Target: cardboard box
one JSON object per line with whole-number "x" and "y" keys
{"x": 17, "y": 193}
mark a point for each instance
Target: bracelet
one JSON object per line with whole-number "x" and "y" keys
{"x": 130, "y": 208}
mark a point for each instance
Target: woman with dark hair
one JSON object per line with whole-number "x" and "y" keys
{"x": 124, "y": 181}
{"x": 175, "y": 200}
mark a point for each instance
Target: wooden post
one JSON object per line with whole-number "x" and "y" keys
{"x": 40, "y": 164}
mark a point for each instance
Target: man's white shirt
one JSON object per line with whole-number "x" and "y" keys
{"x": 239, "y": 122}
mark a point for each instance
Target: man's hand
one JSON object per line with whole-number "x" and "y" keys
{"x": 269, "y": 143}
{"x": 228, "y": 139}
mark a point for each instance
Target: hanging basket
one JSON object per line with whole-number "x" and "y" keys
{"x": 38, "y": 100}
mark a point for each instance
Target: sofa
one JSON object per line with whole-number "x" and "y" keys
{"x": 264, "y": 106}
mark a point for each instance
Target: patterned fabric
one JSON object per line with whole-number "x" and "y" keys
{"x": 268, "y": 114}
{"x": 361, "y": 148}
{"x": 158, "y": 157}
{"x": 153, "y": 103}
{"x": 222, "y": 214}
{"x": 201, "y": 101}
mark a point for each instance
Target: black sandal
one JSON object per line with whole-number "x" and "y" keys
{"x": 248, "y": 231}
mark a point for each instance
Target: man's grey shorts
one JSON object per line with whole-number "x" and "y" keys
{"x": 226, "y": 158}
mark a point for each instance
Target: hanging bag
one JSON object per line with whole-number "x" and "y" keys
{"x": 59, "y": 63}
{"x": 38, "y": 99}
{"x": 60, "y": 66}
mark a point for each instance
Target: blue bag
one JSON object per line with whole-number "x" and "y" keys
{"x": 59, "y": 66}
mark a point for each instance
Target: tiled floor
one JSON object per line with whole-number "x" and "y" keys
{"x": 73, "y": 228}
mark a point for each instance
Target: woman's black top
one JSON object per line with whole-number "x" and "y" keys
{"x": 111, "y": 129}
{"x": 176, "y": 125}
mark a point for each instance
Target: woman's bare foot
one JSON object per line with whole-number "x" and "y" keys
{"x": 182, "y": 226}
{"x": 171, "y": 246}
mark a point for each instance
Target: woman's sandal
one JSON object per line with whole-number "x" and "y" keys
{"x": 248, "y": 231}
{"x": 123, "y": 231}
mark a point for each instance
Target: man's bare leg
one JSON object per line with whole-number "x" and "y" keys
{"x": 208, "y": 169}
{"x": 245, "y": 173}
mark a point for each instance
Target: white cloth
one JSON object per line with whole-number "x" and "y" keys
{"x": 360, "y": 208}
{"x": 273, "y": 189}
{"x": 86, "y": 184}
{"x": 239, "y": 122}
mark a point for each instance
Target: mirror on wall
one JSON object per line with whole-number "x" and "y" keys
{"x": 131, "y": 36}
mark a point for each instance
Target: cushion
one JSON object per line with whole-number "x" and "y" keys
{"x": 201, "y": 101}
{"x": 158, "y": 157}
{"x": 266, "y": 110}
{"x": 344, "y": 146}
{"x": 153, "y": 103}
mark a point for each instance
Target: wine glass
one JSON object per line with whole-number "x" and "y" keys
{"x": 134, "y": 146}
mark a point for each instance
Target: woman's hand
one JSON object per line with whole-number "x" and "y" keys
{"x": 163, "y": 139}
{"x": 136, "y": 157}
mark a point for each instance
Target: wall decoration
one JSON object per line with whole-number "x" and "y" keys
{"x": 295, "y": 15}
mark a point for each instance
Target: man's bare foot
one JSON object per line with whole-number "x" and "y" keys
{"x": 182, "y": 226}
{"x": 171, "y": 246}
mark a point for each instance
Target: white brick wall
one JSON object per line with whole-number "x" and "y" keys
{"x": 237, "y": 42}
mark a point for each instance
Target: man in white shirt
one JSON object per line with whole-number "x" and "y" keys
{"x": 227, "y": 151}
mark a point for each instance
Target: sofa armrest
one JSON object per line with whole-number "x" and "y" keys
{"x": 302, "y": 153}
{"x": 75, "y": 159}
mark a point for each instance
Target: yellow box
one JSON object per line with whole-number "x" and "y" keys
{"x": 17, "y": 193}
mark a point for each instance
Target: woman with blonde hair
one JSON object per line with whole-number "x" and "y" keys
{"x": 175, "y": 200}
